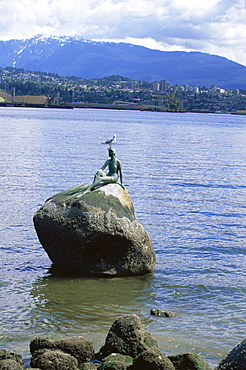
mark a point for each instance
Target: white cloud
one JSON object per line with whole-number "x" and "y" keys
{"x": 212, "y": 26}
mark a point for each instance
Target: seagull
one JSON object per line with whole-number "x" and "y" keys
{"x": 110, "y": 141}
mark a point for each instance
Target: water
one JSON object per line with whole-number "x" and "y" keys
{"x": 186, "y": 176}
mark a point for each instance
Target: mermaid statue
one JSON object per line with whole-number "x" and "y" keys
{"x": 100, "y": 179}
{"x": 114, "y": 172}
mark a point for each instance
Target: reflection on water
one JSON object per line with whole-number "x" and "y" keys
{"x": 86, "y": 303}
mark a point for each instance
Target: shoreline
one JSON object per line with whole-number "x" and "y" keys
{"x": 142, "y": 108}
{"x": 127, "y": 346}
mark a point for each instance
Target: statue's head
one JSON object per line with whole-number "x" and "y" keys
{"x": 111, "y": 151}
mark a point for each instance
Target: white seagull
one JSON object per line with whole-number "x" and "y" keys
{"x": 110, "y": 141}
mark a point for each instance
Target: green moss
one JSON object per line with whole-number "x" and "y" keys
{"x": 96, "y": 198}
{"x": 69, "y": 195}
{"x": 116, "y": 361}
{"x": 40, "y": 343}
{"x": 106, "y": 202}
{"x": 188, "y": 361}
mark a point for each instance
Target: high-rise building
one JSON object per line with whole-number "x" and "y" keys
{"x": 163, "y": 85}
{"x": 156, "y": 86}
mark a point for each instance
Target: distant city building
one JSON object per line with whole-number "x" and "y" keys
{"x": 123, "y": 84}
{"x": 163, "y": 85}
{"x": 127, "y": 85}
{"x": 156, "y": 86}
{"x": 213, "y": 90}
{"x": 221, "y": 91}
{"x": 130, "y": 85}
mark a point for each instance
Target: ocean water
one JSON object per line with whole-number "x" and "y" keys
{"x": 185, "y": 174}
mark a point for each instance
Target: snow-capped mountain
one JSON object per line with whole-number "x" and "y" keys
{"x": 88, "y": 59}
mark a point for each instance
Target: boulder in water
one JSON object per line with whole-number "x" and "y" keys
{"x": 94, "y": 232}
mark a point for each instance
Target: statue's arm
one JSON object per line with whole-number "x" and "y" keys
{"x": 105, "y": 165}
{"x": 120, "y": 172}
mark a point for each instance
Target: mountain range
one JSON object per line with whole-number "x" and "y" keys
{"x": 75, "y": 56}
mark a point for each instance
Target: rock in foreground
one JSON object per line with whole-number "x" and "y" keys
{"x": 94, "y": 233}
{"x": 236, "y": 359}
{"x": 189, "y": 361}
{"x": 78, "y": 347}
{"x": 10, "y": 361}
{"x": 127, "y": 337}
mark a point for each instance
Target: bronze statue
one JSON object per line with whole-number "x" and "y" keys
{"x": 114, "y": 171}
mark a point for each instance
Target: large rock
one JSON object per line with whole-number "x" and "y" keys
{"x": 127, "y": 337}
{"x": 79, "y": 347}
{"x": 54, "y": 360}
{"x": 95, "y": 232}
{"x": 10, "y": 361}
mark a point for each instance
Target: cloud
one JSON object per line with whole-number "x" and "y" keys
{"x": 212, "y": 26}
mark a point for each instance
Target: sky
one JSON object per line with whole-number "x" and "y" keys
{"x": 209, "y": 26}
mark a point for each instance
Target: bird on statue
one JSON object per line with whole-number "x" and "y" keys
{"x": 110, "y": 141}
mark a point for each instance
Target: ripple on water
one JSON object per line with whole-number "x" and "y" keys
{"x": 185, "y": 174}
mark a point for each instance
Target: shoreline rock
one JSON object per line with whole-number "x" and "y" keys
{"x": 236, "y": 359}
{"x": 127, "y": 337}
{"x": 78, "y": 347}
{"x": 127, "y": 347}
{"x": 162, "y": 313}
{"x": 94, "y": 233}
